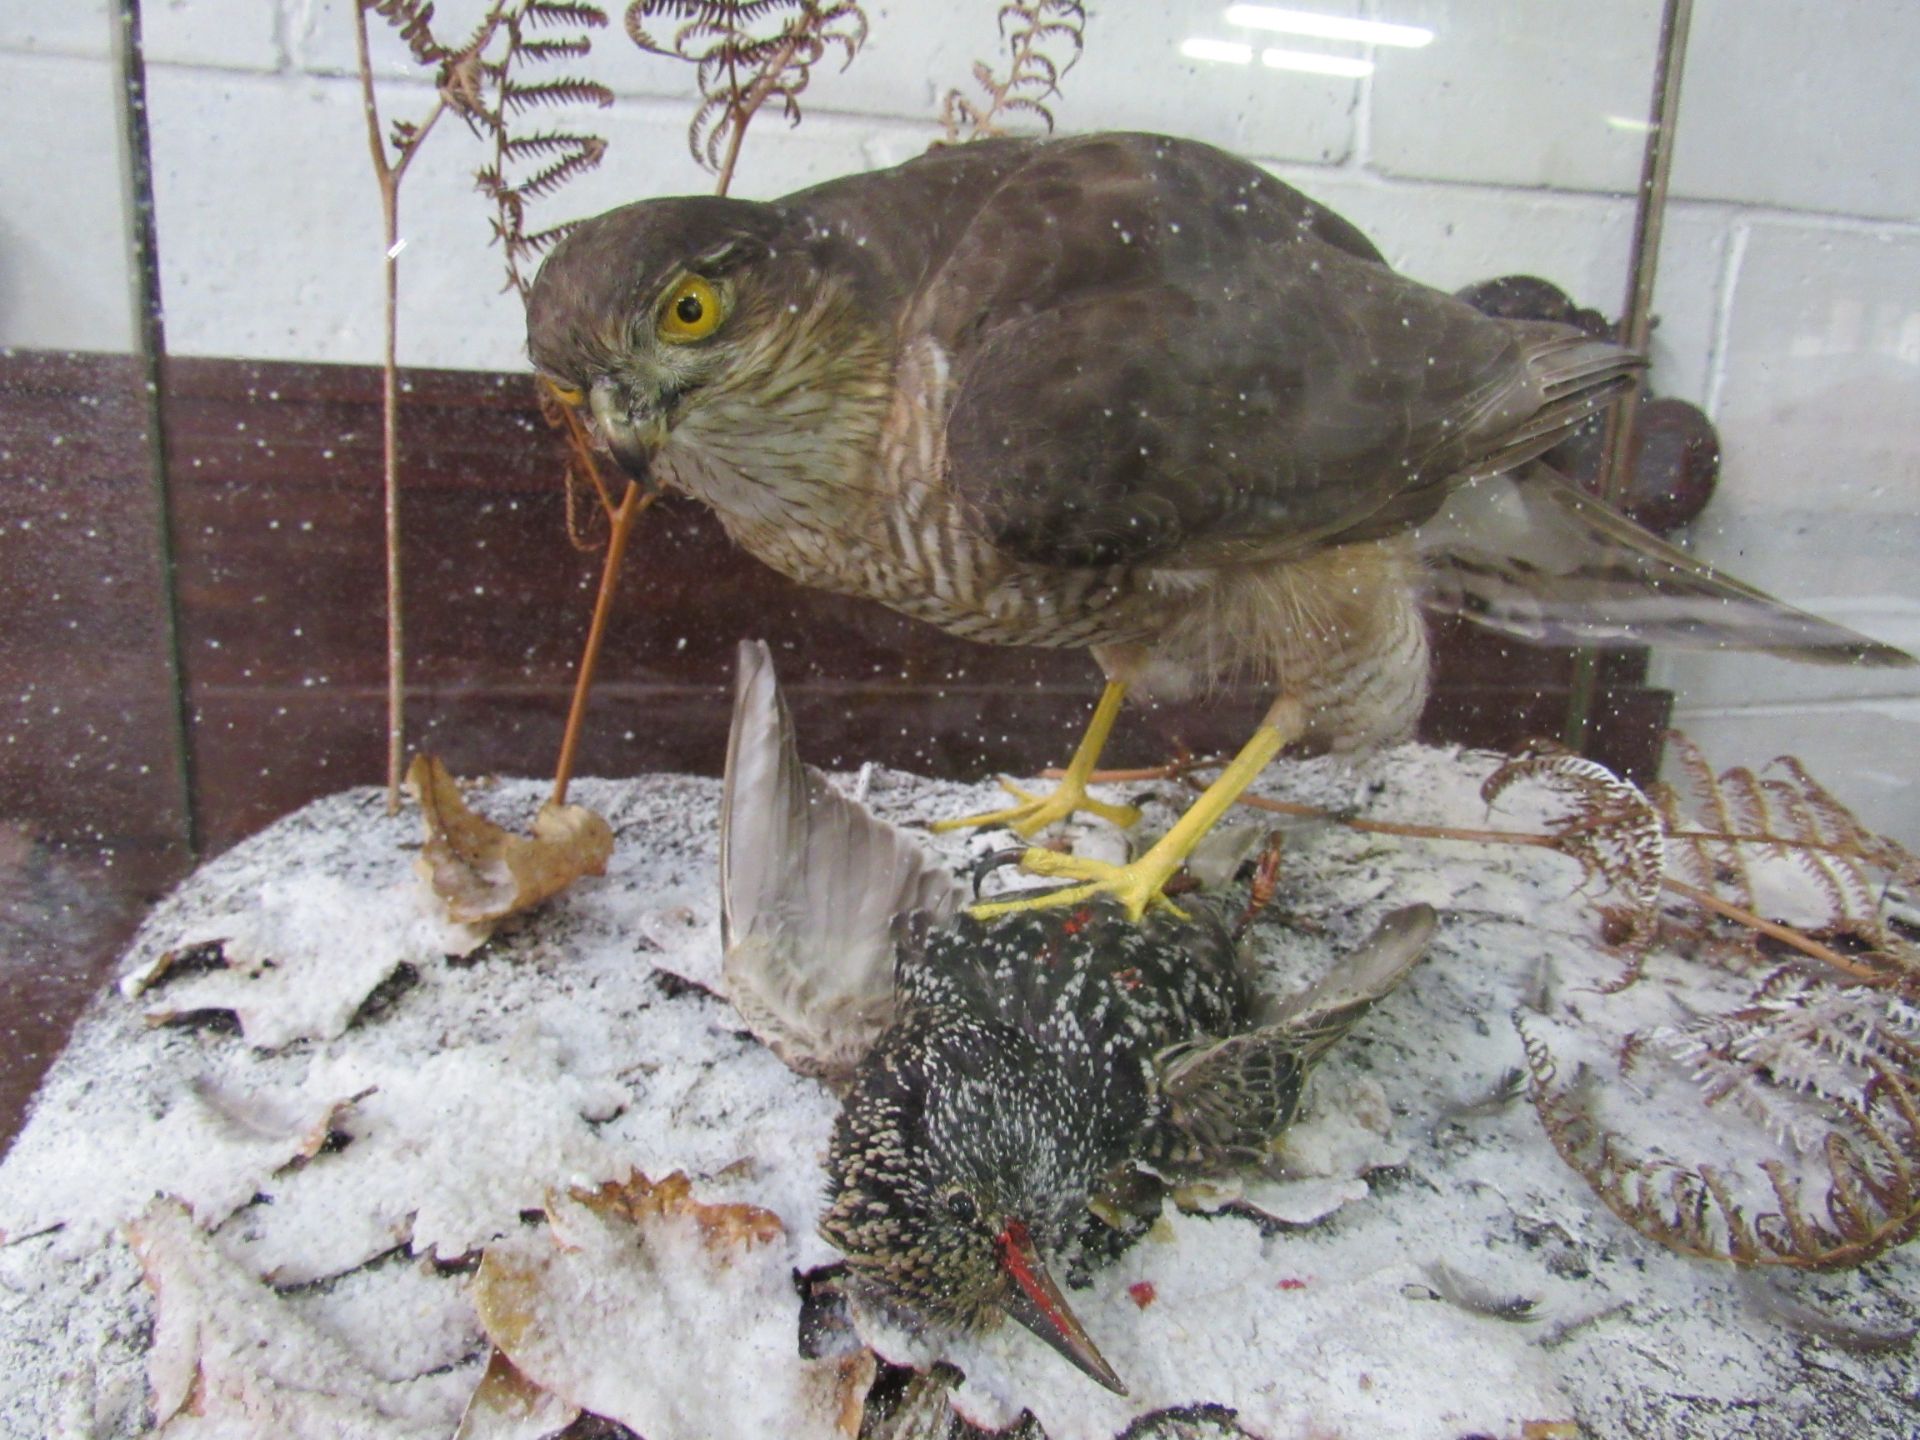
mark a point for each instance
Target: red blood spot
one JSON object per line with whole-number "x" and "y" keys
{"x": 1142, "y": 1292}
{"x": 1292, "y": 1284}
{"x": 1079, "y": 920}
{"x": 1129, "y": 978}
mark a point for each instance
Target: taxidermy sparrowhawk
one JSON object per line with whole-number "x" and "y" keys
{"x": 1131, "y": 393}
{"x": 1001, "y": 1077}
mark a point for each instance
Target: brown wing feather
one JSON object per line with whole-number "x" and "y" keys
{"x": 1161, "y": 352}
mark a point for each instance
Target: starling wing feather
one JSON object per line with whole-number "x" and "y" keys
{"x": 1158, "y": 352}
{"x": 810, "y": 884}
{"x": 1333, "y": 1004}
{"x": 1227, "y": 1099}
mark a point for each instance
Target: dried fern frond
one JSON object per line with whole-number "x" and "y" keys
{"x": 412, "y": 20}
{"x": 746, "y": 53}
{"x": 1797, "y": 1034}
{"x": 1858, "y": 1198}
{"x": 1607, "y": 825}
{"x": 1784, "y": 848}
{"x": 529, "y": 167}
{"x": 1779, "y": 1122}
{"x": 1029, "y": 29}
{"x": 564, "y": 12}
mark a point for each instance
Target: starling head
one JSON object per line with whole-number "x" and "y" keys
{"x": 956, "y": 1166}
{"x": 694, "y": 327}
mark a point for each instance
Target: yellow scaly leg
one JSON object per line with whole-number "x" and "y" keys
{"x": 1138, "y": 885}
{"x": 1036, "y": 812}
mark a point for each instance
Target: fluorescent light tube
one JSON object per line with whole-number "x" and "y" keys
{"x": 1328, "y": 27}
{"x": 1226, "y": 52}
{"x": 1314, "y": 64}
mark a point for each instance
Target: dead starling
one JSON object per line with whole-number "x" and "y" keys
{"x": 1040, "y": 1059}
{"x": 1005, "y": 1074}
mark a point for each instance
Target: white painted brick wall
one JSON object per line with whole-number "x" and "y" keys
{"x": 1789, "y": 295}
{"x": 63, "y": 243}
{"x": 55, "y": 27}
{"x": 1518, "y": 94}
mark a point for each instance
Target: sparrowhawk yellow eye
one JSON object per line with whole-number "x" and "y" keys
{"x": 568, "y": 395}
{"x": 693, "y": 310}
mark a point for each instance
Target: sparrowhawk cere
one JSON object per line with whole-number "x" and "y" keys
{"x": 1125, "y": 392}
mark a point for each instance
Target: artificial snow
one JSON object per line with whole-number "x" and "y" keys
{"x": 396, "y": 1102}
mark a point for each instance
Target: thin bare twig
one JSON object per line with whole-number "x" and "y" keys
{"x": 1785, "y": 934}
{"x": 455, "y": 69}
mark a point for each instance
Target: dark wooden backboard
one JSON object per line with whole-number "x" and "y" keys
{"x": 274, "y": 472}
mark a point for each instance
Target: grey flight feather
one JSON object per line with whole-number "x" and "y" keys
{"x": 810, "y": 883}
{"x": 1531, "y": 555}
{"x": 1333, "y": 1004}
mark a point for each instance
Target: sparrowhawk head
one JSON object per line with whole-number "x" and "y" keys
{"x": 659, "y": 314}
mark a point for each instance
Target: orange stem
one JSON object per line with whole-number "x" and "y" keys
{"x": 631, "y": 504}
{"x": 1785, "y": 934}
{"x": 583, "y": 452}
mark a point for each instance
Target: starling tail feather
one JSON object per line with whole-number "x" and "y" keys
{"x": 1011, "y": 1071}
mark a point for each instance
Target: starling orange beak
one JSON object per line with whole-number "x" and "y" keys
{"x": 1035, "y": 1301}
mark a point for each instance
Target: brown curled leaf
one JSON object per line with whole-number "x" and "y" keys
{"x": 480, "y": 871}
{"x": 634, "y": 1269}
{"x": 505, "y": 1402}
{"x": 722, "y": 1227}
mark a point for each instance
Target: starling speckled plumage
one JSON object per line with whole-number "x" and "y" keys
{"x": 1040, "y": 1059}
{"x": 1130, "y": 393}
{"x": 1000, "y": 1075}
